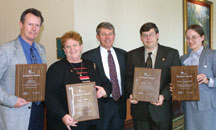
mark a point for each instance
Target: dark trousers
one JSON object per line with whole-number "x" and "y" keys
{"x": 37, "y": 117}
{"x": 86, "y": 125}
{"x": 112, "y": 117}
{"x": 149, "y": 124}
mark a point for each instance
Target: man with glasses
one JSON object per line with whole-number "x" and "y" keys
{"x": 154, "y": 115}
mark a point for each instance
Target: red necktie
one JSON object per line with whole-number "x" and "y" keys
{"x": 113, "y": 76}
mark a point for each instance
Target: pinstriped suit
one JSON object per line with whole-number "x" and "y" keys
{"x": 11, "y": 53}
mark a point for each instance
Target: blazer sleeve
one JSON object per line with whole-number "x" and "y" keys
{"x": 6, "y": 98}
{"x": 213, "y": 61}
{"x": 102, "y": 81}
{"x": 175, "y": 61}
{"x": 42, "y": 52}
{"x": 129, "y": 75}
{"x": 54, "y": 82}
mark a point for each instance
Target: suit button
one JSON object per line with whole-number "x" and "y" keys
{"x": 29, "y": 107}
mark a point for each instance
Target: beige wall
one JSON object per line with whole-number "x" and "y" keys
{"x": 84, "y": 15}
{"x": 58, "y": 16}
{"x": 128, "y": 16}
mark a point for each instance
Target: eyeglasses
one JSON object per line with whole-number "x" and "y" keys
{"x": 193, "y": 38}
{"x": 73, "y": 45}
{"x": 150, "y": 35}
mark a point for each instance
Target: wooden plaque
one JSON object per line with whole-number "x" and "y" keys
{"x": 82, "y": 101}
{"x": 30, "y": 81}
{"x": 146, "y": 85}
{"x": 184, "y": 83}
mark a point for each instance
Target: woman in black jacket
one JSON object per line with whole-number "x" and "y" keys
{"x": 70, "y": 70}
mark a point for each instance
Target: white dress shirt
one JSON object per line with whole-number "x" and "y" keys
{"x": 104, "y": 57}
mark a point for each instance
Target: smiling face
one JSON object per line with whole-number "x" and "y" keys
{"x": 194, "y": 40}
{"x": 30, "y": 28}
{"x": 106, "y": 38}
{"x": 73, "y": 50}
{"x": 150, "y": 39}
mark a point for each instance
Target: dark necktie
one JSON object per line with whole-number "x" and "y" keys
{"x": 33, "y": 56}
{"x": 113, "y": 76}
{"x": 148, "y": 63}
{"x": 33, "y": 61}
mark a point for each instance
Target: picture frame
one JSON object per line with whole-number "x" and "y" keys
{"x": 59, "y": 49}
{"x": 199, "y": 12}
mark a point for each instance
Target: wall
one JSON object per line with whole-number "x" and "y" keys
{"x": 127, "y": 17}
{"x": 58, "y": 19}
{"x": 83, "y": 16}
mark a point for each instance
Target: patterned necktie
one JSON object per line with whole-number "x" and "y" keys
{"x": 148, "y": 63}
{"x": 113, "y": 76}
{"x": 33, "y": 56}
{"x": 33, "y": 61}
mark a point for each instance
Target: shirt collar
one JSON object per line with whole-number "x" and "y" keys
{"x": 198, "y": 53}
{"x": 103, "y": 50}
{"x": 154, "y": 51}
{"x": 26, "y": 44}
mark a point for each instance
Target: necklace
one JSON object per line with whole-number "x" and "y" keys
{"x": 78, "y": 72}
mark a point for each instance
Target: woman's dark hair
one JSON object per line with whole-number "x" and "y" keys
{"x": 197, "y": 28}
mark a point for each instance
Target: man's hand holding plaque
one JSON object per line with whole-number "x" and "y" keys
{"x": 146, "y": 85}
{"x": 184, "y": 83}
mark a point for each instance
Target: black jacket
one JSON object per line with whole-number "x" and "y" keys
{"x": 166, "y": 57}
{"x": 58, "y": 76}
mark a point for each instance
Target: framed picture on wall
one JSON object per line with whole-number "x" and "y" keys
{"x": 60, "y": 51}
{"x": 199, "y": 12}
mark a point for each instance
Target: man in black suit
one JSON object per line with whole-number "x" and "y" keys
{"x": 154, "y": 115}
{"x": 115, "y": 107}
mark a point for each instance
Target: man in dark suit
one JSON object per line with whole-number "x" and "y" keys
{"x": 111, "y": 62}
{"x": 154, "y": 115}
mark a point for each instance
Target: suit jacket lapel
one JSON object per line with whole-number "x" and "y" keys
{"x": 160, "y": 58}
{"x": 19, "y": 53}
{"x": 97, "y": 57}
{"x": 122, "y": 62}
{"x": 41, "y": 53}
{"x": 120, "y": 58}
{"x": 141, "y": 54}
{"x": 202, "y": 58}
